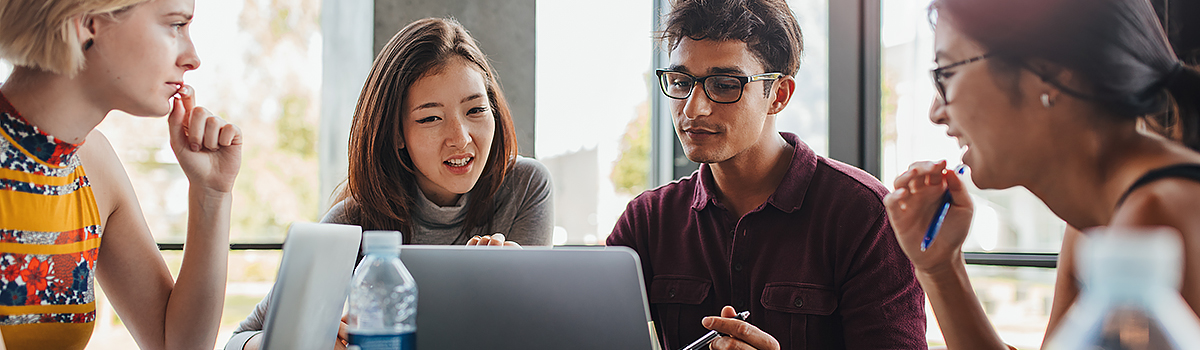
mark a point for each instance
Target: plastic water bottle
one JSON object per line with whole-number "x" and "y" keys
{"x": 383, "y": 297}
{"x": 1130, "y": 296}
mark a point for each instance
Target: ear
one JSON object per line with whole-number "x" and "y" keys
{"x": 1046, "y": 76}
{"x": 784, "y": 88}
{"x": 85, "y": 27}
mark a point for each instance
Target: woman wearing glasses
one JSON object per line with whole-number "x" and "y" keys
{"x": 1065, "y": 98}
{"x": 433, "y": 154}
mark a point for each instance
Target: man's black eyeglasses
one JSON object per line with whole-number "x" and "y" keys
{"x": 719, "y": 88}
{"x": 939, "y": 75}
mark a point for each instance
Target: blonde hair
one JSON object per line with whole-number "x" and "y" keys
{"x": 41, "y": 33}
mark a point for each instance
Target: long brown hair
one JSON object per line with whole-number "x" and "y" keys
{"x": 1117, "y": 47}
{"x": 382, "y": 176}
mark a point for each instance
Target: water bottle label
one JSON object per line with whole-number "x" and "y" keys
{"x": 403, "y": 341}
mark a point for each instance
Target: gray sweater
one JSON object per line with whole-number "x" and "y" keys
{"x": 524, "y": 213}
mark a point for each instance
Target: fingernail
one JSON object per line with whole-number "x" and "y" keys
{"x": 195, "y": 147}
{"x": 707, "y": 322}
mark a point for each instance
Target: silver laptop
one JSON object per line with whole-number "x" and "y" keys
{"x": 532, "y": 298}
{"x": 311, "y": 288}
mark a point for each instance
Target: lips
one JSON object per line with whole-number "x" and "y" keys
{"x": 459, "y": 162}
{"x": 459, "y": 165}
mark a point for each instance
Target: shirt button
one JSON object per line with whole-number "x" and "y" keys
{"x": 798, "y": 302}
{"x": 671, "y": 293}
{"x": 737, "y": 267}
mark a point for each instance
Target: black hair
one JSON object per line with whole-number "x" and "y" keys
{"x": 1116, "y": 49}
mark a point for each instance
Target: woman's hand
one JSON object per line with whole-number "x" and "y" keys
{"x": 343, "y": 335}
{"x": 496, "y": 240}
{"x": 208, "y": 148}
{"x": 911, "y": 208}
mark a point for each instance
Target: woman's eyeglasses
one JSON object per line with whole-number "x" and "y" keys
{"x": 719, "y": 88}
{"x": 939, "y": 76}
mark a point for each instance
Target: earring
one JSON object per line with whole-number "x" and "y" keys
{"x": 1046, "y": 102}
{"x": 88, "y": 44}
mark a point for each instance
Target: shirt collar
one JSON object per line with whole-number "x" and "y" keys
{"x": 788, "y": 197}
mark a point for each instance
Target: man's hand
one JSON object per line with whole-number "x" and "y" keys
{"x": 742, "y": 334}
{"x": 496, "y": 240}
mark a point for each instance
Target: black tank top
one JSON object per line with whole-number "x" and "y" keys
{"x": 1185, "y": 171}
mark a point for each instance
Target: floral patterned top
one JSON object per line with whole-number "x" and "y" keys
{"x": 49, "y": 239}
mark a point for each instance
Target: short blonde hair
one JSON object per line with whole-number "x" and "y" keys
{"x": 41, "y": 33}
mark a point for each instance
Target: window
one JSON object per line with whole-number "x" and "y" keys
{"x": 1012, "y": 220}
{"x": 594, "y": 137}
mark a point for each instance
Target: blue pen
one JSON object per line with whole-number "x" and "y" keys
{"x": 935, "y": 225}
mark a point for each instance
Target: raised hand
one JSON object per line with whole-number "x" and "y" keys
{"x": 911, "y": 208}
{"x": 208, "y": 148}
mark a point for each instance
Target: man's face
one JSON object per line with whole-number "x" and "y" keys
{"x": 715, "y": 132}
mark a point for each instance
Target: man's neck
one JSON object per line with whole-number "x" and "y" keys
{"x": 747, "y": 180}
{"x": 57, "y": 105}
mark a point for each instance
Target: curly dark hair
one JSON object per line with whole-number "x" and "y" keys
{"x": 767, "y": 27}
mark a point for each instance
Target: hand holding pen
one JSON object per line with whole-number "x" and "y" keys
{"x": 939, "y": 217}
{"x": 930, "y": 212}
{"x": 731, "y": 331}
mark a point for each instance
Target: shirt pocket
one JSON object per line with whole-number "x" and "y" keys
{"x": 806, "y": 308}
{"x": 675, "y": 298}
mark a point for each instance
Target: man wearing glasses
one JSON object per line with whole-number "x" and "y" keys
{"x": 765, "y": 225}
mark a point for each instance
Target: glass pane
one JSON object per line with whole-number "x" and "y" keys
{"x": 1005, "y": 220}
{"x": 1017, "y": 301}
{"x": 251, "y": 275}
{"x": 807, "y": 114}
{"x": 594, "y": 138}
{"x": 261, "y": 64}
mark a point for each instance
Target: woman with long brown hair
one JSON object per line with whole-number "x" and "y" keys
{"x": 421, "y": 144}
{"x": 433, "y": 154}
{"x": 1083, "y": 103}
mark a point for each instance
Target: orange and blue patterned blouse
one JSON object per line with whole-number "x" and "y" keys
{"x": 49, "y": 239}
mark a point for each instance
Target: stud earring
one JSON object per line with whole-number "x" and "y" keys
{"x": 88, "y": 44}
{"x": 1046, "y": 102}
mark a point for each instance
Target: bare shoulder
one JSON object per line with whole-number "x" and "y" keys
{"x": 1166, "y": 202}
{"x": 105, "y": 173}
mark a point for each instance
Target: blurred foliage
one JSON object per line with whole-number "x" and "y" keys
{"x": 296, "y": 135}
{"x": 631, "y": 172}
{"x": 261, "y": 78}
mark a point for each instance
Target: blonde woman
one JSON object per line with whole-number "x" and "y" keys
{"x": 68, "y": 213}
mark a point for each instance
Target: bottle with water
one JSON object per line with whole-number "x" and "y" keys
{"x": 383, "y": 297}
{"x": 1130, "y": 295}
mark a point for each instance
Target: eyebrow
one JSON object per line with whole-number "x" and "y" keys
{"x": 939, "y": 55}
{"x": 438, "y": 104}
{"x": 428, "y": 105}
{"x": 185, "y": 15}
{"x": 725, "y": 70}
{"x": 471, "y": 98}
{"x": 713, "y": 70}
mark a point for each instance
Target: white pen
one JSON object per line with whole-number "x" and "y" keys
{"x": 708, "y": 338}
